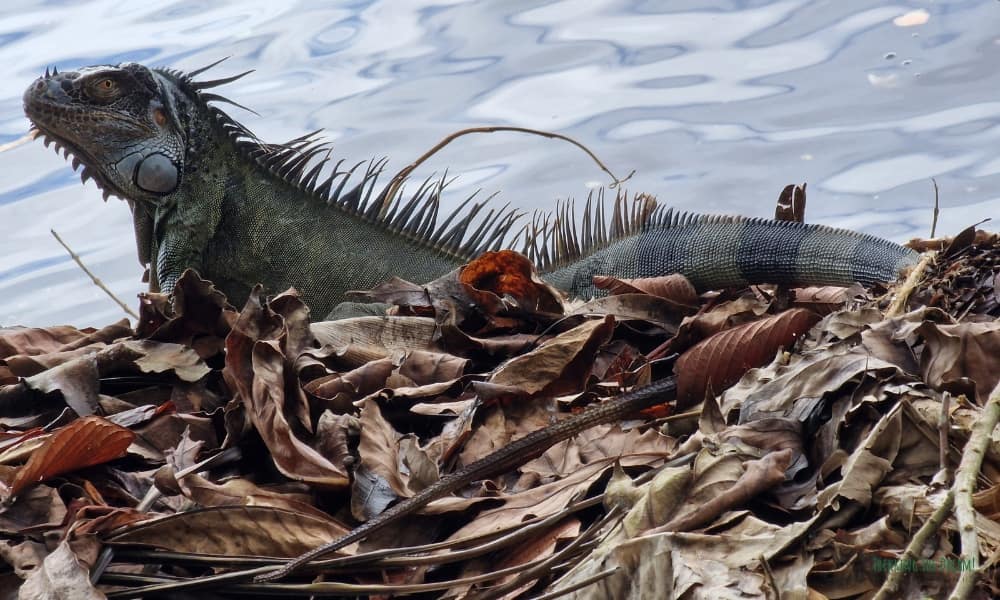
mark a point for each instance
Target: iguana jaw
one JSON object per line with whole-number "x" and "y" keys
{"x": 115, "y": 124}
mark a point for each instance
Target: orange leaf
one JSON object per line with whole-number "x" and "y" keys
{"x": 719, "y": 361}
{"x": 83, "y": 443}
{"x": 506, "y": 272}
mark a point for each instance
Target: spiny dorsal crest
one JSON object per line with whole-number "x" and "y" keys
{"x": 550, "y": 240}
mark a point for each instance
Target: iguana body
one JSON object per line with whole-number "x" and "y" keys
{"x": 207, "y": 194}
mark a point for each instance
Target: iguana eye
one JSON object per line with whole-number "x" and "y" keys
{"x": 159, "y": 117}
{"x": 105, "y": 89}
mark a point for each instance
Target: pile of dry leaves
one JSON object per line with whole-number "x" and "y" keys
{"x": 824, "y": 443}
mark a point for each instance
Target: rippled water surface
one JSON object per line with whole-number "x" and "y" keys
{"x": 716, "y": 105}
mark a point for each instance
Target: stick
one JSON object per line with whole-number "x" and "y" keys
{"x": 18, "y": 142}
{"x": 930, "y": 526}
{"x": 397, "y": 180}
{"x": 937, "y": 208}
{"x": 903, "y": 292}
{"x": 93, "y": 277}
{"x": 944, "y": 422}
{"x": 965, "y": 485}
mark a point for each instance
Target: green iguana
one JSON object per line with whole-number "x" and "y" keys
{"x": 206, "y": 193}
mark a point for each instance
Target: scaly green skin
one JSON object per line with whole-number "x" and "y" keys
{"x": 206, "y": 194}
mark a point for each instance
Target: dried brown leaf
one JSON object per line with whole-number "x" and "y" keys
{"x": 197, "y": 315}
{"x": 559, "y": 365}
{"x": 721, "y": 316}
{"x": 33, "y": 341}
{"x": 760, "y": 475}
{"x": 652, "y": 505}
{"x": 24, "y": 557}
{"x": 339, "y": 390}
{"x": 961, "y": 358}
{"x": 38, "y": 506}
{"x": 593, "y": 444}
{"x": 234, "y": 531}
{"x": 361, "y": 339}
{"x": 540, "y": 501}
{"x": 791, "y": 204}
{"x": 396, "y": 291}
{"x": 427, "y": 368}
{"x": 674, "y": 287}
{"x": 61, "y": 577}
{"x": 100, "y": 520}
{"x": 714, "y": 364}
{"x": 243, "y": 492}
{"x": 867, "y": 466}
{"x": 643, "y": 307}
{"x": 84, "y": 442}
{"x": 260, "y": 352}
{"x": 828, "y": 298}
{"x": 379, "y": 479}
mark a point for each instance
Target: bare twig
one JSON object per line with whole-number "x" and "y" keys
{"x": 898, "y": 305}
{"x": 965, "y": 485}
{"x": 891, "y": 584}
{"x": 769, "y": 576}
{"x": 944, "y": 423}
{"x": 937, "y": 208}
{"x": 93, "y": 277}
{"x": 18, "y": 142}
{"x": 153, "y": 494}
{"x": 398, "y": 179}
{"x": 307, "y": 589}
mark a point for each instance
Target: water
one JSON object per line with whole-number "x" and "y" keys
{"x": 715, "y": 105}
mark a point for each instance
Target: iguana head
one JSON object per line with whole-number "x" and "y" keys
{"x": 125, "y": 124}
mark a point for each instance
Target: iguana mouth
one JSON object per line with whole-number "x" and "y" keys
{"x": 79, "y": 159}
{"x": 45, "y": 113}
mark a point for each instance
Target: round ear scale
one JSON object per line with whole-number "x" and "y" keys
{"x": 157, "y": 174}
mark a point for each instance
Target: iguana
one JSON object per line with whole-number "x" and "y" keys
{"x": 206, "y": 193}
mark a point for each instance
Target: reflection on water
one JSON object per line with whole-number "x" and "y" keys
{"x": 715, "y": 107}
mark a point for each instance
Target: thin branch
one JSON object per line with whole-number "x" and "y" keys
{"x": 891, "y": 584}
{"x": 769, "y": 575}
{"x": 898, "y": 305}
{"x": 93, "y": 277}
{"x": 937, "y": 208}
{"x": 944, "y": 423}
{"x": 398, "y": 179}
{"x": 153, "y": 494}
{"x": 965, "y": 485}
{"x": 19, "y": 141}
